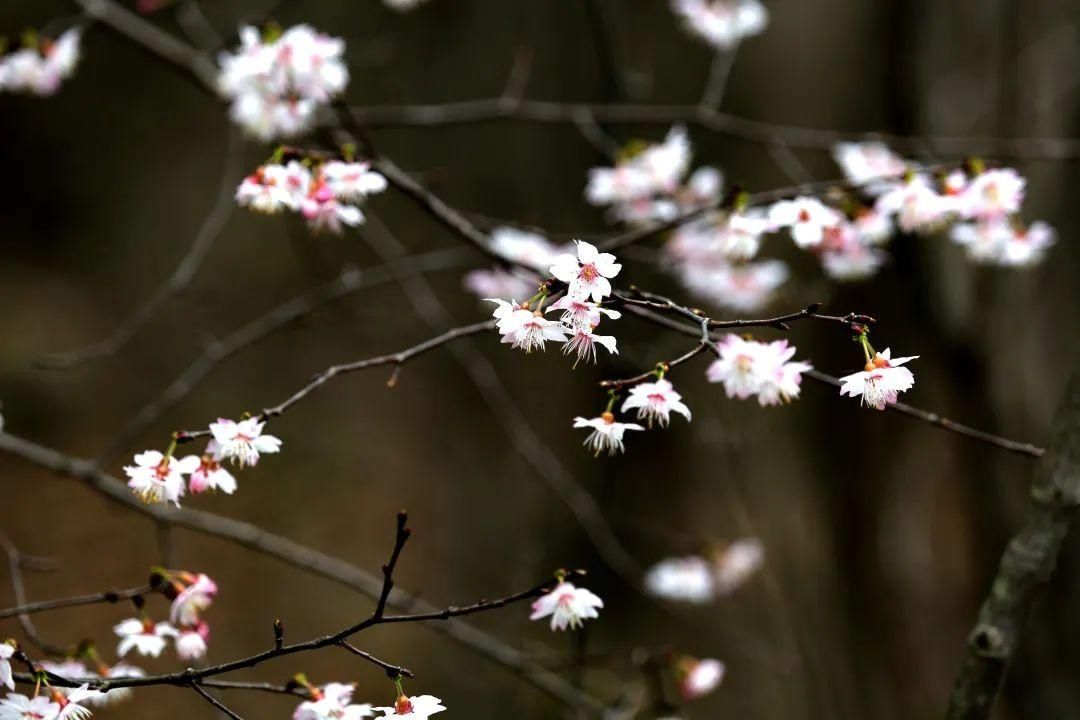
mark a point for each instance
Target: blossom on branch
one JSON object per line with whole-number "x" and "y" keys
{"x": 417, "y": 707}
{"x": 41, "y": 65}
{"x": 195, "y": 594}
{"x": 588, "y": 273}
{"x": 806, "y": 218}
{"x": 210, "y": 475}
{"x": 21, "y": 707}
{"x": 567, "y": 605}
{"x": 144, "y": 636}
{"x": 722, "y": 23}
{"x": 1004, "y": 242}
{"x": 607, "y": 434}
{"x": 158, "y": 478}
{"x": 7, "y": 650}
{"x": 880, "y": 381}
{"x": 747, "y": 368}
{"x": 655, "y": 401}
{"x": 242, "y": 442}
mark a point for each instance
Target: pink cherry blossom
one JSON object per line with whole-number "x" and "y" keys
{"x": 192, "y": 640}
{"x": 583, "y": 342}
{"x": 723, "y": 23}
{"x": 698, "y": 678}
{"x": 806, "y": 218}
{"x": 351, "y": 181}
{"x": 210, "y": 475}
{"x": 193, "y": 599}
{"x": 21, "y": 707}
{"x": 736, "y": 563}
{"x": 417, "y": 707}
{"x": 655, "y": 401}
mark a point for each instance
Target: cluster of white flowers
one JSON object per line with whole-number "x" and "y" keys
{"x": 586, "y": 275}
{"x": 277, "y": 81}
{"x": 192, "y": 594}
{"x": 328, "y": 197}
{"x": 654, "y": 402}
{"x": 58, "y": 705}
{"x": 697, "y": 579}
{"x": 722, "y": 23}
{"x": 41, "y": 65}
{"x": 980, "y": 207}
{"x": 712, "y": 254}
{"x": 748, "y": 367}
{"x": 333, "y": 700}
{"x": 520, "y": 247}
{"x": 161, "y": 478}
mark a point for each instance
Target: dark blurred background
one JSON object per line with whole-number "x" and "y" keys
{"x": 881, "y": 532}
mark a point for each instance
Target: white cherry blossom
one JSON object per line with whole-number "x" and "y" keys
{"x": 7, "y": 650}
{"x": 146, "y": 637}
{"x": 1003, "y": 242}
{"x": 698, "y": 678}
{"x": 806, "y": 218}
{"x": 687, "y": 579}
{"x": 578, "y": 312}
{"x": 588, "y": 274}
{"x": 193, "y": 599}
{"x": 210, "y": 475}
{"x": 736, "y": 564}
{"x": 41, "y": 68}
{"x": 868, "y": 164}
{"x": 992, "y": 194}
{"x": 607, "y": 434}
{"x": 567, "y": 605}
{"x": 155, "y": 478}
{"x": 723, "y": 23}
{"x": 73, "y": 704}
{"x": 21, "y": 707}
{"x": 745, "y": 287}
{"x": 242, "y": 442}
{"x": 583, "y": 341}
{"x": 529, "y": 330}
{"x": 191, "y": 641}
{"x": 351, "y": 181}
{"x": 417, "y": 707}
{"x": 881, "y": 380}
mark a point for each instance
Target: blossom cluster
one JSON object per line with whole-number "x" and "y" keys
{"x": 277, "y": 81}
{"x": 328, "y": 196}
{"x": 701, "y": 579}
{"x": 748, "y": 367}
{"x": 715, "y": 253}
{"x": 722, "y": 23}
{"x": 192, "y": 594}
{"x": 158, "y": 477}
{"x": 523, "y": 249}
{"x": 587, "y": 276}
{"x": 73, "y": 704}
{"x": 39, "y": 67}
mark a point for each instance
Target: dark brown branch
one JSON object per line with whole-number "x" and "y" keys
{"x": 903, "y": 408}
{"x": 470, "y": 112}
{"x": 651, "y": 374}
{"x": 215, "y": 352}
{"x": 18, "y": 590}
{"x": 109, "y": 596}
{"x": 197, "y": 687}
{"x": 182, "y": 276}
{"x": 392, "y": 671}
{"x": 396, "y": 359}
{"x": 1026, "y": 565}
{"x": 307, "y": 559}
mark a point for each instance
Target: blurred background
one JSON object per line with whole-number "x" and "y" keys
{"x": 881, "y": 532}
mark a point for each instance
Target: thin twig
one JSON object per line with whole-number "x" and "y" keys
{"x": 18, "y": 589}
{"x": 109, "y": 596}
{"x": 180, "y": 279}
{"x": 392, "y": 671}
{"x": 307, "y": 559}
{"x": 197, "y": 687}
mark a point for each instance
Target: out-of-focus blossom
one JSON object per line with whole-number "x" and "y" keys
{"x": 21, "y": 707}
{"x": 687, "y": 579}
{"x": 498, "y": 283}
{"x": 722, "y": 23}
{"x": 746, "y": 287}
{"x": 39, "y": 69}
{"x": 351, "y": 181}
{"x": 144, "y": 636}
{"x": 1001, "y": 242}
{"x": 7, "y": 650}
{"x": 918, "y": 207}
{"x": 992, "y": 195}
{"x": 276, "y": 84}
{"x": 806, "y": 218}
{"x": 869, "y": 164}
{"x": 736, "y": 563}
{"x": 747, "y": 367}
{"x": 192, "y": 640}
{"x": 192, "y": 599}
{"x": 698, "y": 678}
